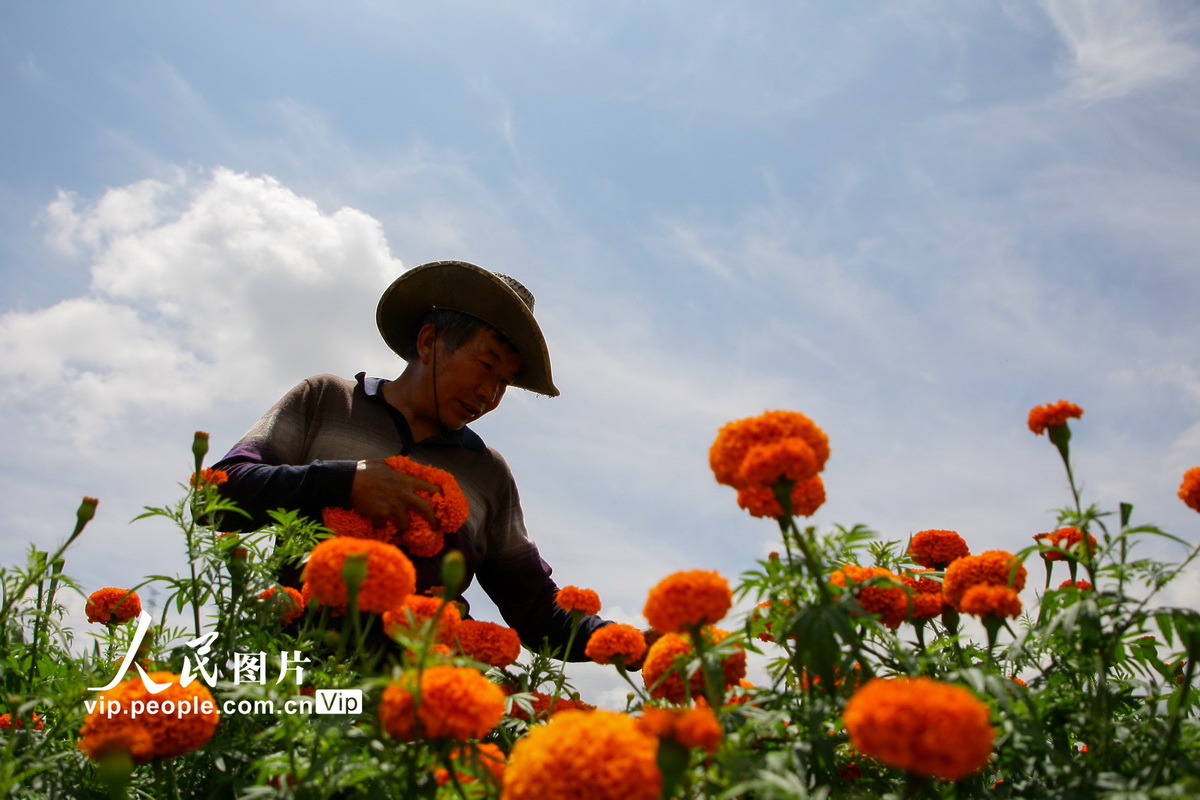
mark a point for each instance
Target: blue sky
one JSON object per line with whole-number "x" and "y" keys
{"x": 912, "y": 221}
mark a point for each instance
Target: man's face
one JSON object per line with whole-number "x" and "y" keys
{"x": 472, "y": 379}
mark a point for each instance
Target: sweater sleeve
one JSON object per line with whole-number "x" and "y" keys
{"x": 269, "y": 469}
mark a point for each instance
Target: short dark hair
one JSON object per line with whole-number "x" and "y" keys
{"x": 456, "y": 328}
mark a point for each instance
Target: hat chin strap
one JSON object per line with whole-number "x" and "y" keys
{"x": 437, "y": 406}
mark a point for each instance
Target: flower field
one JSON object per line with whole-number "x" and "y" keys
{"x": 351, "y": 685}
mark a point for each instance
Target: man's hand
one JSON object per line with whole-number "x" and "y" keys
{"x": 381, "y": 493}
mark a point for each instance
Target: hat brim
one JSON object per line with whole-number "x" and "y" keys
{"x": 463, "y": 287}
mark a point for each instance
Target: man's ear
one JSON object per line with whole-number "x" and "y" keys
{"x": 426, "y": 340}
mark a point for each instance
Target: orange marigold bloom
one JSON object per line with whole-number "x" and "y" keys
{"x": 1082, "y": 586}
{"x": 584, "y": 755}
{"x": 886, "y": 599}
{"x": 8, "y": 721}
{"x": 925, "y": 601}
{"x": 1189, "y": 490}
{"x": 480, "y": 759}
{"x": 991, "y": 567}
{"x": 449, "y": 505}
{"x": 456, "y": 703}
{"x": 688, "y": 599}
{"x": 543, "y": 705}
{"x": 130, "y": 738}
{"x": 488, "y": 642}
{"x": 347, "y": 522}
{"x": 807, "y": 496}
{"x": 696, "y": 727}
{"x": 183, "y": 719}
{"x": 616, "y": 641}
{"x": 572, "y": 598}
{"x": 927, "y": 727}
{"x": 408, "y": 618}
{"x": 289, "y": 605}
{"x": 988, "y": 600}
{"x": 770, "y": 447}
{"x": 306, "y": 596}
{"x": 664, "y": 669}
{"x": 1067, "y": 539}
{"x": 1051, "y": 414}
{"x": 209, "y": 476}
{"x": 391, "y": 577}
{"x": 111, "y": 605}
{"x": 937, "y": 548}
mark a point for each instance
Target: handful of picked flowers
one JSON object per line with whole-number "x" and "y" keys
{"x": 418, "y": 539}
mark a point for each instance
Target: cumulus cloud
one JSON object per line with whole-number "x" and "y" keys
{"x": 222, "y": 284}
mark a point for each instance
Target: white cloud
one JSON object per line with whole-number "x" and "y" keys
{"x": 1118, "y": 47}
{"x": 226, "y": 284}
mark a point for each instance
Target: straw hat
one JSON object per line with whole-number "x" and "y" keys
{"x": 498, "y": 300}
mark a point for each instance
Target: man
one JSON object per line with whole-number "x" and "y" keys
{"x": 467, "y": 334}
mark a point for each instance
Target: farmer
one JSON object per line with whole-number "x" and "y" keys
{"x": 467, "y": 334}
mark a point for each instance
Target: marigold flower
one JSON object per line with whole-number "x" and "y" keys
{"x": 616, "y": 641}
{"x": 209, "y": 477}
{"x": 111, "y": 605}
{"x": 807, "y": 496}
{"x": 408, "y": 618}
{"x": 543, "y": 705}
{"x": 925, "y": 601}
{"x": 1082, "y": 586}
{"x": 688, "y": 599}
{"x": 572, "y": 598}
{"x": 450, "y": 506}
{"x": 289, "y": 605}
{"x": 455, "y": 703}
{"x": 992, "y": 567}
{"x": 696, "y": 727}
{"x": 937, "y": 548}
{"x": 584, "y": 755}
{"x": 183, "y": 719}
{"x": 391, "y": 577}
{"x": 488, "y": 642}
{"x": 988, "y": 600}
{"x": 480, "y": 759}
{"x": 775, "y": 437}
{"x": 1051, "y": 414}
{"x": 885, "y": 599}
{"x": 8, "y": 721}
{"x": 663, "y": 671}
{"x": 1067, "y": 539}
{"x": 927, "y": 727}
{"x": 347, "y": 522}
{"x": 1189, "y": 490}
{"x": 130, "y": 738}
{"x": 306, "y": 596}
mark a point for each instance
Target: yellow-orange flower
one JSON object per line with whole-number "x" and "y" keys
{"x": 990, "y": 567}
{"x": 288, "y": 606}
{"x": 1189, "y": 490}
{"x": 937, "y": 548}
{"x": 214, "y": 477}
{"x": 807, "y": 497}
{"x": 450, "y": 506}
{"x": 1082, "y": 586}
{"x": 988, "y": 600}
{"x": 696, "y": 727}
{"x": 664, "y": 669}
{"x": 455, "y": 703}
{"x": 481, "y": 759}
{"x": 488, "y": 642}
{"x": 8, "y": 721}
{"x": 543, "y": 705}
{"x": 390, "y": 578}
{"x": 1051, "y": 414}
{"x": 181, "y": 718}
{"x": 925, "y": 601}
{"x": 758, "y": 451}
{"x": 927, "y": 727}
{"x": 111, "y": 605}
{"x": 572, "y": 598}
{"x": 1067, "y": 539}
{"x": 616, "y": 641}
{"x": 688, "y": 599}
{"x": 408, "y": 618}
{"x": 584, "y": 755}
{"x": 884, "y": 598}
